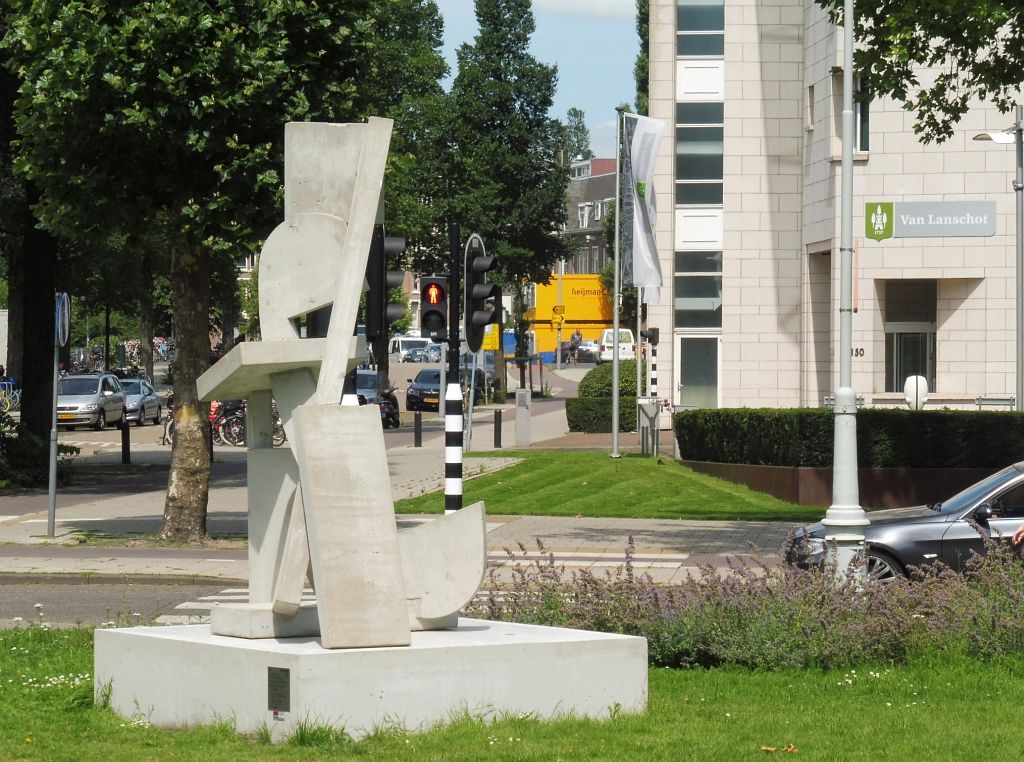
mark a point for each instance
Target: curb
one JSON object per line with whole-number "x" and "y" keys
{"x": 117, "y": 579}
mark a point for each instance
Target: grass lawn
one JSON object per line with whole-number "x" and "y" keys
{"x": 592, "y": 484}
{"x": 936, "y": 708}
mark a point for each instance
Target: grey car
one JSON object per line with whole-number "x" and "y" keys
{"x": 949, "y": 532}
{"x": 141, "y": 401}
{"x": 90, "y": 400}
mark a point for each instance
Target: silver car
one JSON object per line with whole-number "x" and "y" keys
{"x": 90, "y": 400}
{"x": 141, "y": 401}
{"x": 949, "y": 532}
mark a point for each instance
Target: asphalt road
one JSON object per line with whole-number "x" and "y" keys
{"x": 91, "y": 602}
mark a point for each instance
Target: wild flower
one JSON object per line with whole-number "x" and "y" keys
{"x": 762, "y": 615}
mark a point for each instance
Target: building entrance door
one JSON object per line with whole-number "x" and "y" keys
{"x": 697, "y": 359}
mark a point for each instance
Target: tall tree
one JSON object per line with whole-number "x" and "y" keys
{"x": 577, "y": 136}
{"x": 170, "y": 114}
{"x": 973, "y": 50}
{"x": 506, "y": 181}
{"x": 641, "y": 69}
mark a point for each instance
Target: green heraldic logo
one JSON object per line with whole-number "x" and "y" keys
{"x": 878, "y": 220}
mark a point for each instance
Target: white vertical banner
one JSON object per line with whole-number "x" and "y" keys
{"x": 640, "y": 265}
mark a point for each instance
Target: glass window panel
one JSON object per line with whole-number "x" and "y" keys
{"x": 698, "y": 261}
{"x": 707, "y": 140}
{"x": 698, "y": 372}
{"x": 698, "y": 167}
{"x": 698, "y": 301}
{"x": 699, "y": 193}
{"x": 909, "y": 354}
{"x": 700, "y": 16}
{"x": 702, "y": 45}
{"x": 909, "y": 301}
{"x": 700, "y": 113}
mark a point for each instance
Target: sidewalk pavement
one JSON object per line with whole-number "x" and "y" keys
{"x": 131, "y": 503}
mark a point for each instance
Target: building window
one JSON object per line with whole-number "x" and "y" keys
{"x": 700, "y": 25}
{"x": 698, "y": 289}
{"x": 910, "y": 308}
{"x": 862, "y": 115}
{"x": 699, "y": 153}
{"x": 861, "y": 111}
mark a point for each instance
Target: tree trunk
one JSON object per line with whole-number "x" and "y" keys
{"x": 146, "y": 319}
{"x": 16, "y": 309}
{"x": 106, "y": 336}
{"x": 229, "y": 319}
{"x": 189, "y": 480}
{"x": 38, "y": 309}
{"x": 522, "y": 328}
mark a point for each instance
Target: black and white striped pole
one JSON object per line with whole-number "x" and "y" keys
{"x": 453, "y": 391}
{"x": 654, "y": 370}
{"x": 453, "y": 447}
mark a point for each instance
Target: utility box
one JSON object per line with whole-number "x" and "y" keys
{"x": 522, "y": 417}
{"x": 648, "y": 413}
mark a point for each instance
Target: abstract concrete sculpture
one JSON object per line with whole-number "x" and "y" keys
{"x": 323, "y": 506}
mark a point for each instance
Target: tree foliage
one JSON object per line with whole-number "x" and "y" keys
{"x": 577, "y": 136}
{"x": 506, "y": 183}
{"x": 641, "y": 69}
{"x": 937, "y": 56}
{"x": 168, "y": 117}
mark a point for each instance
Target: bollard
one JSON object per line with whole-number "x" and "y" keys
{"x": 126, "y": 443}
{"x": 497, "y": 429}
{"x": 417, "y": 429}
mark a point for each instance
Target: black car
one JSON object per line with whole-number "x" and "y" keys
{"x": 949, "y": 532}
{"x": 424, "y": 392}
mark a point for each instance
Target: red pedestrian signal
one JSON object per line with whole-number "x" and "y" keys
{"x": 434, "y": 307}
{"x": 434, "y": 294}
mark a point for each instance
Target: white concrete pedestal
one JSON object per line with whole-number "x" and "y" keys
{"x": 185, "y": 676}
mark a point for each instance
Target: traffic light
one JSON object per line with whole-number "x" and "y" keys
{"x": 434, "y": 307}
{"x": 379, "y": 312}
{"x": 478, "y": 312}
{"x": 652, "y": 335}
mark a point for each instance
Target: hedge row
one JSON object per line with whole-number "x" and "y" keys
{"x": 885, "y": 438}
{"x": 591, "y": 411}
{"x": 594, "y": 414}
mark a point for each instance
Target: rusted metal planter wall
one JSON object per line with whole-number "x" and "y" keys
{"x": 879, "y": 487}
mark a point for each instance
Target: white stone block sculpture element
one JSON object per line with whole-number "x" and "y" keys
{"x": 322, "y": 507}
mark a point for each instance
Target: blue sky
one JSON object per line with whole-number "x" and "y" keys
{"x": 592, "y": 42}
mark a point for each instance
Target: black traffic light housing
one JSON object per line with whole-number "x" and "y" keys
{"x": 434, "y": 307}
{"x": 652, "y": 335}
{"x": 380, "y": 314}
{"x": 478, "y": 312}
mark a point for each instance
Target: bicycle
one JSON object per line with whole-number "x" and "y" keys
{"x": 10, "y": 397}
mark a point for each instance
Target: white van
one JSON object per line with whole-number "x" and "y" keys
{"x": 627, "y": 345}
{"x": 399, "y": 347}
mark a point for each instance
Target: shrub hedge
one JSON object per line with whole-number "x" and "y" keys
{"x": 885, "y": 438}
{"x": 591, "y": 411}
{"x": 598, "y": 382}
{"x": 594, "y": 414}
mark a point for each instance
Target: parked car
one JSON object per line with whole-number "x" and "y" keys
{"x": 141, "y": 402}
{"x": 589, "y": 351}
{"x": 627, "y": 345}
{"x": 424, "y": 392}
{"x": 417, "y": 354}
{"x": 949, "y": 531}
{"x": 366, "y": 386}
{"x": 90, "y": 400}
{"x": 399, "y": 346}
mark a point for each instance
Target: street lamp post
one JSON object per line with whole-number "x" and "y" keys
{"x": 1016, "y": 135}
{"x": 845, "y": 519}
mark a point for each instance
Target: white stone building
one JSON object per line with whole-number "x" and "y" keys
{"x": 749, "y": 222}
